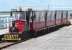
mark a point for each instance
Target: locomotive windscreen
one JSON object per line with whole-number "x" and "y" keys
{"x": 19, "y": 15}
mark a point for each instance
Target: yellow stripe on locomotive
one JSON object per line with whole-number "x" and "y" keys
{"x": 11, "y": 37}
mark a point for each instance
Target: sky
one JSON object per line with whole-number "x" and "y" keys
{"x": 7, "y": 5}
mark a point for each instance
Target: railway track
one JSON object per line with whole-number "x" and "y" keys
{"x": 8, "y": 44}
{"x": 9, "y": 40}
{"x": 5, "y": 44}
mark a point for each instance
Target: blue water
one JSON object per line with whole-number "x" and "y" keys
{"x": 4, "y": 21}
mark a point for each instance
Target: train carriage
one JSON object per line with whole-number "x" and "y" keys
{"x": 35, "y": 20}
{"x": 65, "y": 17}
{"x": 52, "y": 18}
{"x": 39, "y": 21}
{"x": 58, "y": 17}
